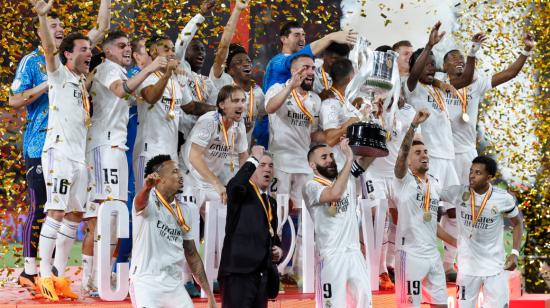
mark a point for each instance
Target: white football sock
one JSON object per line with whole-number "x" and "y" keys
{"x": 63, "y": 245}
{"x": 46, "y": 245}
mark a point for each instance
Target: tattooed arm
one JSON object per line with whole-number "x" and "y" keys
{"x": 401, "y": 163}
{"x": 197, "y": 268}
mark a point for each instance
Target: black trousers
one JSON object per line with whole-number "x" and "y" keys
{"x": 244, "y": 290}
{"x": 36, "y": 194}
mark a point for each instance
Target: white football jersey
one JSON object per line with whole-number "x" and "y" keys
{"x": 290, "y": 131}
{"x": 67, "y": 117}
{"x": 338, "y": 233}
{"x": 322, "y": 80}
{"x": 414, "y": 235}
{"x": 436, "y": 130}
{"x": 158, "y": 241}
{"x": 383, "y": 166}
{"x": 199, "y": 86}
{"x": 464, "y": 133}
{"x": 207, "y": 133}
{"x": 111, "y": 113}
{"x": 258, "y": 103}
{"x": 483, "y": 253}
{"x": 157, "y": 132}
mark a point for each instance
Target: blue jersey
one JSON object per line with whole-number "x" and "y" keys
{"x": 30, "y": 73}
{"x": 278, "y": 69}
{"x": 131, "y": 135}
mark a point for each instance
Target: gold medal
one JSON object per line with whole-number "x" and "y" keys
{"x": 466, "y": 195}
{"x": 465, "y": 117}
{"x": 427, "y": 216}
{"x": 171, "y": 115}
{"x": 388, "y": 136}
{"x": 332, "y": 210}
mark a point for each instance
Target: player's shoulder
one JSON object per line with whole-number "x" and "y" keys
{"x": 29, "y": 61}
{"x": 502, "y": 194}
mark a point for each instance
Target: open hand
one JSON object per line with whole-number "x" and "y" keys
{"x": 207, "y": 6}
{"x": 297, "y": 78}
{"x": 241, "y": 4}
{"x": 529, "y": 41}
{"x": 347, "y": 36}
{"x": 257, "y": 152}
{"x": 40, "y": 7}
{"x": 435, "y": 35}
{"x": 479, "y": 37}
{"x": 346, "y": 149}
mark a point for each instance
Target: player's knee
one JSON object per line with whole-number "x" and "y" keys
{"x": 56, "y": 214}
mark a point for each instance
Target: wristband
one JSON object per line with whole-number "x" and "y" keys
{"x": 526, "y": 53}
{"x": 474, "y": 49}
{"x": 515, "y": 252}
{"x": 414, "y": 126}
{"x": 126, "y": 88}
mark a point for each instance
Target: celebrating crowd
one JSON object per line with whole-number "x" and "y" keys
{"x": 144, "y": 129}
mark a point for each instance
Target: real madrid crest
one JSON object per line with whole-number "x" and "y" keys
{"x": 494, "y": 210}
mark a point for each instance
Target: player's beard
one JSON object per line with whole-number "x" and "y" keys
{"x": 330, "y": 172}
{"x": 306, "y": 86}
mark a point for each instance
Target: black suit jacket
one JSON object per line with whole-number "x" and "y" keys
{"x": 247, "y": 243}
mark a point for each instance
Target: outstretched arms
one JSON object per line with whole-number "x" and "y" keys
{"x": 97, "y": 34}
{"x": 418, "y": 67}
{"x": 513, "y": 70}
{"x": 46, "y": 38}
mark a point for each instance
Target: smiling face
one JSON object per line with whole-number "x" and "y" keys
{"x": 56, "y": 28}
{"x": 240, "y": 67}
{"x": 164, "y": 48}
{"x": 309, "y": 72}
{"x": 419, "y": 161}
{"x": 195, "y": 54}
{"x": 233, "y": 106}
{"x": 119, "y": 51}
{"x": 295, "y": 40}
{"x": 264, "y": 173}
{"x": 454, "y": 63}
{"x": 79, "y": 59}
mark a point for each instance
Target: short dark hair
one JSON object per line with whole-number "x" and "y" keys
{"x": 299, "y": 56}
{"x": 112, "y": 36}
{"x": 96, "y": 60}
{"x": 383, "y": 48}
{"x": 449, "y": 53}
{"x": 135, "y": 44}
{"x": 415, "y": 55}
{"x": 313, "y": 149}
{"x": 340, "y": 69}
{"x": 287, "y": 26}
{"x": 68, "y": 44}
{"x": 403, "y": 43}
{"x": 417, "y": 142}
{"x": 234, "y": 49}
{"x": 341, "y": 50}
{"x": 490, "y": 164}
{"x": 154, "y": 164}
{"x": 153, "y": 40}
{"x": 224, "y": 93}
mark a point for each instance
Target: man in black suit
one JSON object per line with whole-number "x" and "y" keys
{"x": 251, "y": 244}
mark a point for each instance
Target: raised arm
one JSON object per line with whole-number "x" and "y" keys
{"x": 513, "y": 70}
{"x": 123, "y": 88}
{"x": 334, "y": 193}
{"x": 278, "y": 100}
{"x": 142, "y": 198}
{"x": 191, "y": 29}
{"x": 466, "y": 78}
{"x": 343, "y": 37}
{"x": 422, "y": 60}
{"x": 400, "y": 168}
{"x": 227, "y": 36}
{"x": 47, "y": 41}
{"x": 197, "y": 268}
{"x": 97, "y": 34}
{"x": 153, "y": 93}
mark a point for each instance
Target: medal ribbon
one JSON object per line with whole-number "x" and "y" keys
{"x": 226, "y": 138}
{"x": 173, "y": 93}
{"x": 427, "y": 197}
{"x": 177, "y": 215}
{"x": 463, "y": 98}
{"x": 300, "y": 104}
{"x": 436, "y": 95}
{"x": 198, "y": 88}
{"x": 251, "y": 103}
{"x": 325, "y": 79}
{"x": 341, "y": 98}
{"x": 325, "y": 183}
{"x": 267, "y": 209}
{"x": 481, "y": 207}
